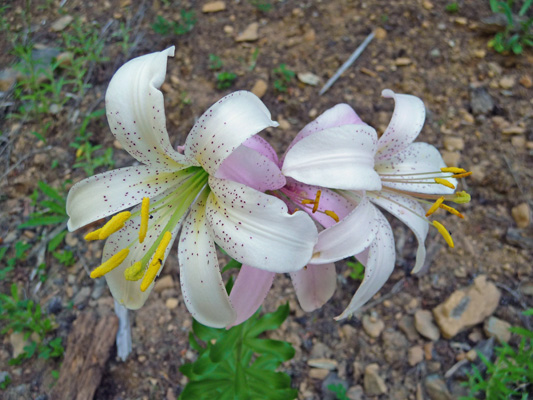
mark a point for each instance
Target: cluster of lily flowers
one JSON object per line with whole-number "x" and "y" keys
{"x": 298, "y": 214}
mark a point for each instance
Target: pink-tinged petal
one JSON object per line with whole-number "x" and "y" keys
{"x": 252, "y": 169}
{"x": 350, "y": 236}
{"x": 338, "y": 158}
{"x": 339, "y": 115}
{"x": 379, "y": 262}
{"x": 314, "y": 285}
{"x": 202, "y": 286}
{"x": 107, "y": 193}
{"x": 224, "y": 127}
{"x": 136, "y": 110}
{"x": 260, "y": 145}
{"x": 405, "y": 125}
{"x": 256, "y": 229}
{"x": 418, "y": 158}
{"x": 329, "y": 201}
{"x": 411, "y": 213}
{"x": 128, "y": 293}
{"x": 249, "y": 291}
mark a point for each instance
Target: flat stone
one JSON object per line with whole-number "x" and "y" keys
{"x": 425, "y": 326}
{"x": 213, "y": 6}
{"x": 526, "y": 81}
{"x": 497, "y": 328}
{"x": 373, "y": 383}
{"x": 507, "y": 82}
{"x": 8, "y": 77}
{"x": 373, "y": 326}
{"x": 481, "y": 101}
{"x": 323, "y": 363}
{"x": 451, "y": 158}
{"x": 514, "y": 130}
{"x": 308, "y": 78}
{"x": 402, "y": 61}
{"x": 453, "y": 143}
{"x": 318, "y": 373}
{"x": 380, "y": 33}
{"x": 467, "y": 307}
{"x": 165, "y": 282}
{"x": 82, "y": 295}
{"x": 62, "y": 23}
{"x": 355, "y": 393}
{"x": 250, "y": 34}
{"x": 260, "y": 88}
{"x": 415, "y": 355}
{"x": 172, "y": 303}
{"x": 522, "y": 215}
{"x": 436, "y": 388}
{"x": 16, "y": 339}
{"x": 407, "y": 326}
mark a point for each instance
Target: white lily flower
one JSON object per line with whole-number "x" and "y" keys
{"x": 187, "y": 194}
{"x": 340, "y": 152}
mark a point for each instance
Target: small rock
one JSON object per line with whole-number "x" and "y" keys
{"x": 436, "y": 388}
{"x": 467, "y": 307}
{"x": 62, "y": 23}
{"x": 349, "y": 332}
{"x": 402, "y": 61}
{"x": 308, "y": 78}
{"x": 519, "y": 142}
{"x": 323, "y": 363}
{"x": 461, "y": 21}
{"x": 435, "y": 53}
{"x": 17, "y": 341}
{"x": 373, "y": 326}
{"x": 526, "y": 288}
{"x": 55, "y": 305}
{"x": 425, "y": 326}
{"x": 165, "y": 282}
{"x": 373, "y": 383}
{"x": 228, "y": 29}
{"x": 260, "y": 88}
{"x": 522, "y": 215}
{"x": 64, "y": 59}
{"x": 514, "y": 130}
{"x": 318, "y": 373}
{"x": 453, "y": 143}
{"x": 8, "y": 77}
{"x": 170, "y": 394}
{"x": 526, "y": 81}
{"x": 82, "y": 296}
{"x": 480, "y": 101}
{"x": 407, "y": 326}
{"x": 283, "y": 123}
{"x": 250, "y": 34}
{"x": 319, "y": 350}
{"x": 172, "y": 303}
{"x": 358, "y": 370}
{"x": 428, "y": 5}
{"x": 480, "y": 53}
{"x": 495, "y": 327}
{"x": 71, "y": 239}
{"x": 507, "y": 82}
{"x": 213, "y": 6}
{"x": 471, "y": 355}
{"x": 380, "y": 33}
{"x": 415, "y": 355}
{"x": 355, "y": 393}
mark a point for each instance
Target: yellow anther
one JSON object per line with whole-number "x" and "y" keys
{"x": 461, "y": 198}
{"x": 463, "y": 175}
{"x": 135, "y": 272}
{"x": 110, "y": 264}
{"x": 145, "y": 209}
{"x": 445, "y": 234}
{"x": 94, "y": 235}
{"x": 114, "y": 224}
{"x": 444, "y": 182}
{"x": 453, "y": 170}
{"x": 452, "y": 210}
{"x": 160, "y": 252}
{"x": 308, "y": 201}
{"x": 150, "y": 275}
{"x": 79, "y": 152}
{"x": 332, "y": 214}
{"x": 317, "y": 200}
{"x": 435, "y": 206}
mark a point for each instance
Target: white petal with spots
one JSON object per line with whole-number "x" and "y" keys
{"x": 135, "y": 110}
{"x": 203, "y": 290}
{"x": 256, "y": 229}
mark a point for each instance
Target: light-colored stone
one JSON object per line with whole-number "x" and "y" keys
{"x": 451, "y": 158}
{"x": 250, "y": 34}
{"x": 323, "y": 363}
{"x": 526, "y": 81}
{"x": 213, "y": 6}
{"x": 62, "y": 23}
{"x": 16, "y": 339}
{"x": 425, "y": 326}
{"x": 308, "y": 78}
{"x": 495, "y": 327}
{"x": 355, "y": 393}
{"x": 436, "y": 388}
{"x": 165, "y": 282}
{"x": 407, "y": 326}
{"x": 373, "y": 326}
{"x": 453, "y": 143}
{"x": 467, "y": 307}
{"x": 283, "y": 123}
{"x": 318, "y": 373}
{"x": 415, "y": 355}
{"x": 519, "y": 142}
{"x": 373, "y": 383}
{"x": 514, "y": 130}
{"x": 8, "y": 77}
{"x": 507, "y": 82}
{"x": 380, "y": 33}
{"x": 172, "y": 303}
{"x": 260, "y": 87}
{"x": 428, "y": 5}
{"x": 522, "y": 215}
{"x": 402, "y": 61}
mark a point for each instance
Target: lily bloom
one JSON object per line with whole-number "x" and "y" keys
{"x": 186, "y": 196}
{"x": 410, "y": 180}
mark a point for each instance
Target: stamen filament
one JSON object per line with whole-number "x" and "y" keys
{"x": 452, "y": 210}
{"x": 444, "y": 232}
{"x": 444, "y": 182}
{"x": 110, "y": 264}
{"x": 332, "y": 214}
{"x": 435, "y": 206}
{"x": 114, "y": 224}
{"x": 135, "y": 272}
{"x": 145, "y": 211}
{"x": 317, "y": 199}
{"x": 453, "y": 170}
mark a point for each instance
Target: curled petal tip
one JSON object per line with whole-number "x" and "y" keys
{"x": 170, "y": 51}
